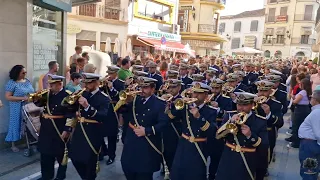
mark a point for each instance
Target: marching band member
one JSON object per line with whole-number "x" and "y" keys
{"x": 174, "y": 67}
{"x": 250, "y": 77}
{"x": 197, "y": 78}
{"x": 137, "y": 68}
{"x": 271, "y": 109}
{"x": 193, "y": 69}
{"x": 280, "y": 95}
{"x": 210, "y": 75}
{"x": 203, "y": 67}
{"x": 183, "y": 72}
{"x": 86, "y": 140}
{"x": 236, "y": 67}
{"x": 53, "y": 137}
{"x": 240, "y": 84}
{"x": 281, "y": 86}
{"x": 112, "y": 88}
{"x": 141, "y": 154}
{"x": 223, "y": 104}
{"x": 172, "y": 131}
{"x": 258, "y": 69}
{"x": 172, "y": 74}
{"x": 152, "y": 68}
{"x": 198, "y": 124}
{"x": 242, "y": 134}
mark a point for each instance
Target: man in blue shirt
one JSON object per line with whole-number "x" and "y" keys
{"x": 309, "y": 151}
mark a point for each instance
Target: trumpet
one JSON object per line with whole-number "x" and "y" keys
{"x": 232, "y": 127}
{"x": 167, "y": 97}
{"x": 180, "y": 103}
{"x": 226, "y": 89}
{"x": 72, "y": 99}
{"x": 163, "y": 88}
{"x": 209, "y": 98}
{"x": 123, "y": 96}
{"x": 104, "y": 81}
{"x": 186, "y": 93}
{"x": 38, "y": 95}
{"x": 258, "y": 101}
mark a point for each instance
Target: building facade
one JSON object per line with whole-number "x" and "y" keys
{"x": 242, "y": 30}
{"x": 289, "y": 28}
{"x": 32, "y": 34}
{"x": 91, "y": 24}
{"x": 198, "y": 23}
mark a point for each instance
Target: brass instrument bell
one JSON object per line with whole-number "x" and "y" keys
{"x": 181, "y": 102}
{"x": 259, "y": 100}
{"x": 73, "y": 98}
{"x": 39, "y": 95}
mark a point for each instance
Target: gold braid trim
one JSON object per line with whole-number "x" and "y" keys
{"x": 257, "y": 143}
{"x": 276, "y": 120}
{"x": 171, "y": 116}
{"x": 205, "y": 126}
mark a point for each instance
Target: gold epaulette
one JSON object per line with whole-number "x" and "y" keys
{"x": 106, "y": 95}
{"x": 171, "y": 116}
{"x": 205, "y": 126}
{"x": 71, "y": 122}
{"x": 69, "y": 92}
{"x": 225, "y": 96}
{"x": 264, "y": 118}
{"x": 273, "y": 99}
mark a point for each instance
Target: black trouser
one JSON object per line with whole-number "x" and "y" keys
{"x": 87, "y": 171}
{"x": 109, "y": 150}
{"x": 138, "y": 176}
{"x": 300, "y": 113}
{"x": 47, "y": 167}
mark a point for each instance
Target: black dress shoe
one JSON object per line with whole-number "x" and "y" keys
{"x": 110, "y": 161}
{"x": 288, "y": 139}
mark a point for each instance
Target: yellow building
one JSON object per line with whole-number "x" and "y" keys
{"x": 198, "y": 20}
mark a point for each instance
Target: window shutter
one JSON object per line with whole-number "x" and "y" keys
{"x": 222, "y": 27}
{"x": 283, "y": 11}
{"x": 235, "y": 43}
{"x": 254, "y": 25}
{"x": 237, "y": 26}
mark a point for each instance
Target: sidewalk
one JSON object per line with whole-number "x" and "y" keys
{"x": 16, "y": 166}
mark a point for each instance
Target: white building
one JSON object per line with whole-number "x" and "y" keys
{"x": 242, "y": 30}
{"x": 289, "y": 28}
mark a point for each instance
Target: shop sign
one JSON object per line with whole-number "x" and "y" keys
{"x": 188, "y": 7}
{"x": 64, "y": 5}
{"x": 282, "y": 18}
{"x": 73, "y": 29}
{"x": 159, "y": 35}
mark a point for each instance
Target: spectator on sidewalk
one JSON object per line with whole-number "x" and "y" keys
{"x": 309, "y": 134}
{"x": 16, "y": 89}
{"x": 73, "y": 58}
{"x": 86, "y": 56}
{"x": 74, "y": 84}
{"x": 81, "y": 62}
{"x": 315, "y": 79}
{"x": 89, "y": 68}
{"x": 301, "y": 111}
{"x": 53, "y": 70}
{"x": 124, "y": 71}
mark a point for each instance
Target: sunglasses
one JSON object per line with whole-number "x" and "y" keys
{"x": 24, "y": 72}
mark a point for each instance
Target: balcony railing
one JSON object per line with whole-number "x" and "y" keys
{"x": 277, "y": 1}
{"x": 100, "y": 11}
{"x": 307, "y": 41}
{"x": 185, "y": 29}
{"x": 274, "y": 41}
{"x": 207, "y": 28}
{"x": 216, "y": 1}
{"x": 305, "y": 17}
{"x": 276, "y": 19}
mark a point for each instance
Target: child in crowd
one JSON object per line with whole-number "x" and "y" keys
{"x": 74, "y": 84}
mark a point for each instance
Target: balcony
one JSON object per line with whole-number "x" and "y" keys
{"x": 306, "y": 41}
{"x": 207, "y": 28}
{"x": 305, "y": 17}
{"x": 277, "y": 19}
{"x": 100, "y": 11}
{"x": 185, "y": 29}
{"x": 217, "y": 3}
{"x": 273, "y": 41}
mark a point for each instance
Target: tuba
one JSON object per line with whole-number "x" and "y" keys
{"x": 72, "y": 99}
{"x": 38, "y": 95}
{"x": 232, "y": 127}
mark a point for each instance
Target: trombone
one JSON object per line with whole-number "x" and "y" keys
{"x": 73, "y": 98}
{"x": 38, "y": 95}
{"x": 232, "y": 127}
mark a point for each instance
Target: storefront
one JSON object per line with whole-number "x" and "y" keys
{"x": 32, "y": 34}
{"x": 147, "y": 41}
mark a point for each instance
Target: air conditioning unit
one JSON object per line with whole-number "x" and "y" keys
{"x": 176, "y": 29}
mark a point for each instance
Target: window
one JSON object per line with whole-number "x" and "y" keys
{"x": 151, "y": 10}
{"x": 235, "y": 43}
{"x": 308, "y": 12}
{"x": 237, "y": 26}
{"x": 254, "y": 25}
{"x": 272, "y": 1}
{"x": 283, "y": 11}
{"x": 222, "y": 27}
{"x": 304, "y": 39}
{"x": 268, "y": 39}
{"x": 280, "y": 39}
{"x": 271, "y": 15}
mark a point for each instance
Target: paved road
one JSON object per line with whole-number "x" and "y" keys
{"x": 16, "y": 166}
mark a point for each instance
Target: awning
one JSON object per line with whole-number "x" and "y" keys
{"x": 169, "y": 46}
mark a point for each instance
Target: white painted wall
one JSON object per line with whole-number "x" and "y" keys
{"x": 245, "y": 31}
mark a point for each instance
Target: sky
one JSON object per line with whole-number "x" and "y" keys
{"x": 237, "y": 6}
